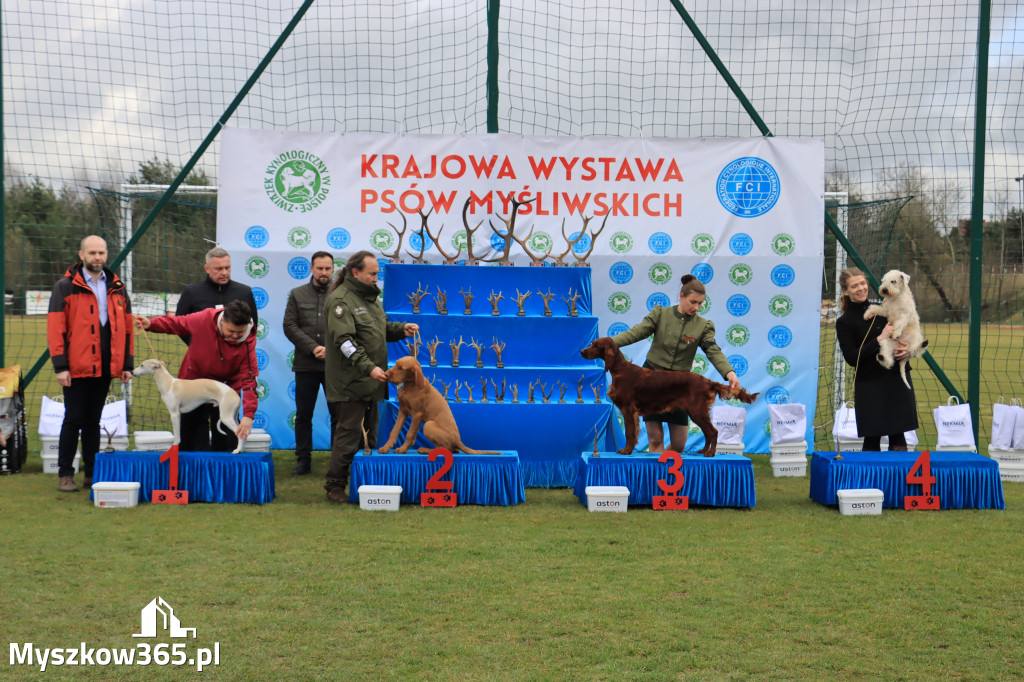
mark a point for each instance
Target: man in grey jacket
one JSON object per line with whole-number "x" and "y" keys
{"x": 304, "y": 327}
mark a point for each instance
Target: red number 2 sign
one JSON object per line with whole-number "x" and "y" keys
{"x": 438, "y": 492}
{"x": 669, "y": 500}
{"x": 924, "y": 478}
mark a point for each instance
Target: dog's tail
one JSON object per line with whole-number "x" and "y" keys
{"x": 903, "y": 373}
{"x": 470, "y": 451}
{"x": 724, "y": 391}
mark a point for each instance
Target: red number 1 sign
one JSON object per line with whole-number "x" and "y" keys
{"x": 172, "y": 496}
{"x": 439, "y": 493}
{"x": 670, "y": 500}
{"x": 923, "y": 466}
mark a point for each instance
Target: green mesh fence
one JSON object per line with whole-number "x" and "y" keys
{"x": 102, "y": 94}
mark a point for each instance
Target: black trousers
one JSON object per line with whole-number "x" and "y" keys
{"x": 83, "y": 407}
{"x": 348, "y": 439}
{"x": 307, "y": 389}
{"x": 201, "y": 431}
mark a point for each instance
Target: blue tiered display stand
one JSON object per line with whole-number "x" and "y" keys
{"x": 547, "y": 436}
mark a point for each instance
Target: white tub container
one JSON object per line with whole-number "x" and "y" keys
{"x": 1011, "y": 472}
{"x": 258, "y": 441}
{"x": 607, "y": 498}
{"x": 1006, "y": 456}
{"x": 50, "y": 463}
{"x": 789, "y": 465}
{"x": 788, "y": 449}
{"x": 860, "y": 501}
{"x": 850, "y": 445}
{"x": 153, "y": 441}
{"x": 380, "y": 497}
{"x": 114, "y": 494}
{"x": 730, "y": 448}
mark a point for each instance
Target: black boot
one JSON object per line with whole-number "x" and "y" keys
{"x": 301, "y": 468}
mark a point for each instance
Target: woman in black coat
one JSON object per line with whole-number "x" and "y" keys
{"x": 884, "y": 405}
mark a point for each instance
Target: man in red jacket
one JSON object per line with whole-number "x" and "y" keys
{"x": 89, "y": 335}
{"x": 223, "y": 347}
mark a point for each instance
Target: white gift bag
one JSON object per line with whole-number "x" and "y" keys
{"x": 845, "y": 425}
{"x": 953, "y": 424}
{"x": 114, "y": 421}
{"x": 1004, "y": 417}
{"x": 788, "y": 422}
{"x": 730, "y": 422}
{"x": 51, "y": 416}
{"x": 1018, "y": 425}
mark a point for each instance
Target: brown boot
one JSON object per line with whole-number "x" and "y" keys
{"x": 337, "y": 495}
{"x": 87, "y": 482}
{"x": 67, "y": 485}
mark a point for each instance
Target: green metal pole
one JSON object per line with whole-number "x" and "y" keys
{"x": 493, "y": 10}
{"x": 977, "y": 217}
{"x": 713, "y": 56}
{"x": 874, "y": 282}
{"x": 3, "y": 213}
{"x": 187, "y": 168}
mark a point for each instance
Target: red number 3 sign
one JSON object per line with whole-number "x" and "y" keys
{"x": 669, "y": 500}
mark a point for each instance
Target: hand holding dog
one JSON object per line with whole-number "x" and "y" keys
{"x": 141, "y": 321}
{"x": 901, "y": 350}
{"x": 244, "y": 428}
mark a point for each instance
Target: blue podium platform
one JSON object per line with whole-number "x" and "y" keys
{"x": 725, "y": 480}
{"x": 963, "y": 480}
{"x": 493, "y": 480}
{"x": 207, "y": 476}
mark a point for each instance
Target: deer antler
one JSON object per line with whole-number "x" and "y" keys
{"x": 423, "y": 238}
{"x": 573, "y": 242}
{"x": 470, "y": 258}
{"x": 510, "y": 224}
{"x": 394, "y": 256}
{"x": 593, "y": 238}
{"x": 448, "y": 260}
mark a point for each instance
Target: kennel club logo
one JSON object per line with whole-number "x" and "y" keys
{"x": 748, "y": 187}
{"x": 257, "y": 267}
{"x": 299, "y": 237}
{"x": 660, "y": 273}
{"x": 297, "y": 181}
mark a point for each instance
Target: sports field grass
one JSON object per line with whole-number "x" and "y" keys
{"x": 301, "y": 589}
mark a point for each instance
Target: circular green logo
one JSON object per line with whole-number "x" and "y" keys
{"x": 540, "y": 242}
{"x": 339, "y": 263}
{"x": 737, "y": 335}
{"x": 780, "y": 305}
{"x": 297, "y": 180}
{"x": 262, "y": 389}
{"x": 619, "y": 302}
{"x": 702, "y": 243}
{"x": 700, "y": 365}
{"x": 767, "y": 426}
{"x": 459, "y": 240}
{"x": 621, "y": 242}
{"x": 777, "y": 366}
{"x": 299, "y": 237}
{"x": 290, "y": 358}
{"x": 705, "y": 306}
{"x": 381, "y": 239}
{"x": 257, "y": 267}
{"x": 291, "y": 420}
{"x": 262, "y": 329}
{"x": 740, "y": 274}
{"x": 783, "y": 244}
{"x": 660, "y": 273}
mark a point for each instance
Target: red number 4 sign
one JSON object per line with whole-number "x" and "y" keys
{"x": 924, "y": 478}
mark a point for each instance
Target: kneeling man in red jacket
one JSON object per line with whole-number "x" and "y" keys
{"x": 223, "y": 347}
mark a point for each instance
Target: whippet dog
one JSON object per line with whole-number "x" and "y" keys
{"x": 185, "y": 395}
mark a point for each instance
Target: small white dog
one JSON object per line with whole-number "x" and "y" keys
{"x": 185, "y": 395}
{"x": 898, "y": 307}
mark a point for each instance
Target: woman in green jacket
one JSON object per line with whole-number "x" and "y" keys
{"x": 678, "y": 332}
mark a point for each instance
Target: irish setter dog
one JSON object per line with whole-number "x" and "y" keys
{"x": 640, "y": 391}
{"x": 425, "y": 404}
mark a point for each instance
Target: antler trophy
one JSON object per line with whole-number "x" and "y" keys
{"x": 498, "y": 348}
{"x": 448, "y": 259}
{"x": 415, "y": 298}
{"x": 510, "y": 234}
{"x": 521, "y": 300}
{"x": 483, "y": 380}
{"x": 432, "y": 347}
{"x": 422, "y": 232}
{"x": 396, "y": 256}
{"x": 581, "y": 261}
{"x": 494, "y": 298}
{"x": 571, "y": 302}
{"x": 468, "y": 297}
{"x": 579, "y": 390}
{"x": 455, "y": 351}
{"x": 479, "y": 351}
{"x": 571, "y": 242}
{"x": 470, "y": 258}
{"x": 547, "y": 299}
{"x": 441, "y": 301}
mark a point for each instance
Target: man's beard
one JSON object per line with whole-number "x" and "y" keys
{"x": 94, "y": 269}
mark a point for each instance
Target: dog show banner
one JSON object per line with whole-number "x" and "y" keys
{"x": 743, "y": 215}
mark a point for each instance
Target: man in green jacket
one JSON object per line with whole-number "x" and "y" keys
{"x": 355, "y": 358}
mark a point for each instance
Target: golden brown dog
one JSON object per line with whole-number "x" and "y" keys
{"x": 421, "y": 401}
{"x": 640, "y": 391}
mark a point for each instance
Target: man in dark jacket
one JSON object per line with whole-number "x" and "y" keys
{"x": 89, "y": 334}
{"x": 356, "y": 355}
{"x": 217, "y": 290}
{"x": 304, "y": 327}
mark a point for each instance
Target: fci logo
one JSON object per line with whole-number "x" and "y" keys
{"x": 299, "y": 237}
{"x": 257, "y": 267}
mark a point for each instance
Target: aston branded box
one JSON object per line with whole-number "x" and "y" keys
{"x": 50, "y": 462}
{"x": 860, "y": 501}
{"x": 155, "y": 441}
{"x": 789, "y": 465}
{"x": 380, "y": 497}
{"x": 114, "y": 494}
{"x": 607, "y": 498}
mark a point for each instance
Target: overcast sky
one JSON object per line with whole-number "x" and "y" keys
{"x": 91, "y": 89}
